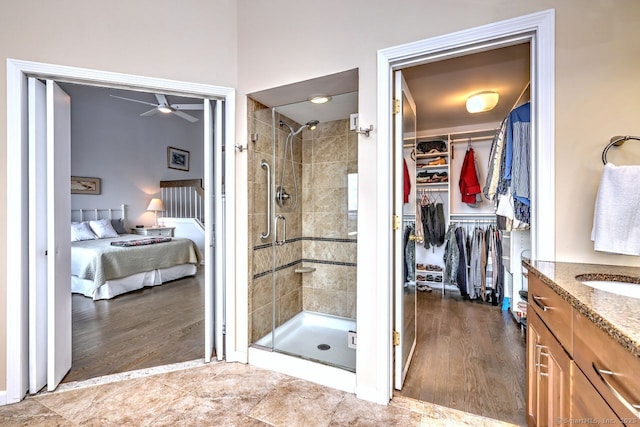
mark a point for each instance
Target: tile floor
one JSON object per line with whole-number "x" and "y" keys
{"x": 220, "y": 394}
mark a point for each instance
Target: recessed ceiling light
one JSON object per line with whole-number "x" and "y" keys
{"x": 320, "y": 99}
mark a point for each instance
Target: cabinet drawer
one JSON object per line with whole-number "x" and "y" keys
{"x": 586, "y": 403}
{"x": 553, "y": 310}
{"x": 619, "y": 378}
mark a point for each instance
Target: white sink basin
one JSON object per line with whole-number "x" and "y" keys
{"x": 621, "y": 288}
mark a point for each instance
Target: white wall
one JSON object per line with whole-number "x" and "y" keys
{"x": 110, "y": 140}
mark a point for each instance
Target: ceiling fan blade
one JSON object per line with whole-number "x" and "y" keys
{"x": 161, "y": 99}
{"x": 150, "y": 112}
{"x": 187, "y": 106}
{"x": 133, "y": 100}
{"x": 185, "y": 116}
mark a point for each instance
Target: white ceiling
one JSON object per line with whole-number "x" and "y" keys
{"x": 440, "y": 90}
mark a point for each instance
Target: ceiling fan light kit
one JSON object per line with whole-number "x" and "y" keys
{"x": 165, "y": 107}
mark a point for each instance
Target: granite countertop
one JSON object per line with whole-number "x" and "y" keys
{"x": 617, "y": 315}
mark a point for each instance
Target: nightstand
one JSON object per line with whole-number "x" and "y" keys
{"x": 154, "y": 231}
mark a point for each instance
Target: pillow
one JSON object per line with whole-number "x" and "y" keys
{"x": 81, "y": 231}
{"x": 118, "y": 226}
{"x": 103, "y": 228}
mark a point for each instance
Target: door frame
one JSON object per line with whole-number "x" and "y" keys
{"x": 537, "y": 28}
{"x": 17, "y": 340}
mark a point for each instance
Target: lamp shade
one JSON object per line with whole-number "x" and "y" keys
{"x": 155, "y": 205}
{"x": 482, "y": 101}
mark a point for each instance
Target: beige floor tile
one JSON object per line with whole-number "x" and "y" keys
{"x": 230, "y": 386}
{"x": 130, "y": 402}
{"x": 30, "y": 413}
{"x": 298, "y": 403}
{"x": 355, "y": 412}
{"x": 195, "y": 411}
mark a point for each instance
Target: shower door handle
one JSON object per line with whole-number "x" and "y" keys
{"x": 284, "y": 230}
{"x": 266, "y": 166}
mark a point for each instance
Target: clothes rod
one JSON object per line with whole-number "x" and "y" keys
{"x": 431, "y": 190}
{"x": 474, "y": 215}
{"x": 521, "y": 95}
{"x": 472, "y": 221}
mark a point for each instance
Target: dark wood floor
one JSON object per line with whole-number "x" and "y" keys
{"x": 469, "y": 356}
{"x": 142, "y": 329}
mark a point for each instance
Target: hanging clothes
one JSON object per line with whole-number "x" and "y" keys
{"x": 490, "y": 189}
{"x": 433, "y": 222}
{"x": 508, "y": 180}
{"x": 473, "y": 262}
{"x": 407, "y": 182}
{"x": 469, "y": 184}
{"x": 409, "y": 254}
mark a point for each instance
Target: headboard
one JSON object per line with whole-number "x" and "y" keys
{"x": 79, "y": 215}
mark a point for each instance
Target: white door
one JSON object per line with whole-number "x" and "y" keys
{"x": 58, "y": 188}
{"x": 405, "y": 326}
{"x": 37, "y": 236}
{"x": 214, "y": 239}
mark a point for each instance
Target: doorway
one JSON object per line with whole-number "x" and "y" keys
{"x": 465, "y": 335}
{"x": 220, "y": 124}
{"x": 536, "y": 28}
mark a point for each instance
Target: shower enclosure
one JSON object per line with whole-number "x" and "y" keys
{"x": 302, "y": 281}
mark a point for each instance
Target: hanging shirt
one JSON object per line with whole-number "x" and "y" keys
{"x": 469, "y": 185}
{"x": 407, "y": 182}
{"x": 517, "y": 165}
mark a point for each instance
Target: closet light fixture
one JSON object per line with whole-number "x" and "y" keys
{"x": 482, "y": 101}
{"x": 320, "y": 99}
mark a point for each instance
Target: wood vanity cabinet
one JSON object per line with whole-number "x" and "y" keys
{"x": 548, "y": 375}
{"x": 612, "y": 370}
{"x": 576, "y": 373}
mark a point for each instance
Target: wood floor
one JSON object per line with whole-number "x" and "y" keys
{"x": 469, "y": 356}
{"x": 142, "y": 329}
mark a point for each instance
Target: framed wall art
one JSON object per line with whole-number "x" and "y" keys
{"x": 177, "y": 159}
{"x": 85, "y": 185}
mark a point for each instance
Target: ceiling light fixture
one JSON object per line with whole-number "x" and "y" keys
{"x": 320, "y": 99}
{"x": 163, "y": 108}
{"x": 482, "y": 101}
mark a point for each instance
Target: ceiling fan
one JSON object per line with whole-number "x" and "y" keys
{"x": 163, "y": 106}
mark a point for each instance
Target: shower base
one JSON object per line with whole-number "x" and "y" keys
{"x": 316, "y": 337}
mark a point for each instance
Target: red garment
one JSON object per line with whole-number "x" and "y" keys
{"x": 407, "y": 182}
{"x": 469, "y": 185}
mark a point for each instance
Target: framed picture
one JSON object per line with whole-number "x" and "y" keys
{"x": 177, "y": 159}
{"x": 84, "y": 185}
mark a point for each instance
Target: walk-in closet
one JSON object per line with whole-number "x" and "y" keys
{"x": 466, "y": 227}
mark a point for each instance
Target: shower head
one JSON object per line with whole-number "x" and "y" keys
{"x": 311, "y": 124}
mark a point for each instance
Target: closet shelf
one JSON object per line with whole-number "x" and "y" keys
{"x": 431, "y": 155}
{"x": 432, "y": 167}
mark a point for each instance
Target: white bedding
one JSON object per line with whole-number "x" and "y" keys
{"x": 100, "y": 270}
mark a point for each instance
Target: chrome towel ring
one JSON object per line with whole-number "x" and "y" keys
{"x": 617, "y": 141}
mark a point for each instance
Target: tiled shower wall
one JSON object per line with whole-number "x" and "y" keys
{"x": 318, "y": 230}
{"x": 329, "y": 153}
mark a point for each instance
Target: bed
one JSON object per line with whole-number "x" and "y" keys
{"x": 106, "y": 261}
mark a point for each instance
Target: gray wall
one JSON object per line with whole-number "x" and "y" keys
{"x": 110, "y": 140}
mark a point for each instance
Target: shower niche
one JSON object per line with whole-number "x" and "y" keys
{"x": 303, "y": 221}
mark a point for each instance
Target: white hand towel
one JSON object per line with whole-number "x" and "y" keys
{"x": 616, "y": 218}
